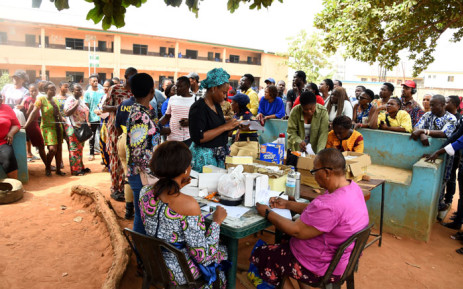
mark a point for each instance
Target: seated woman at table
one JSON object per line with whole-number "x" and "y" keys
{"x": 343, "y": 137}
{"x": 308, "y": 124}
{"x": 245, "y": 141}
{"x": 208, "y": 128}
{"x": 393, "y": 119}
{"x": 325, "y": 223}
{"x": 176, "y": 218}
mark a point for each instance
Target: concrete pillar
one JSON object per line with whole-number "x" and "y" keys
{"x": 177, "y": 50}
{"x": 224, "y": 55}
{"x": 43, "y": 71}
{"x": 117, "y": 56}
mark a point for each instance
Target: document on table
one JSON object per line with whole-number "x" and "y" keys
{"x": 254, "y": 124}
{"x": 232, "y": 211}
{"x": 263, "y": 198}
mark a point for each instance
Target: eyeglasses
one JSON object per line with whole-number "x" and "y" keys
{"x": 312, "y": 172}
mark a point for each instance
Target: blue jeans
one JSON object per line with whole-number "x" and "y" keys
{"x": 136, "y": 185}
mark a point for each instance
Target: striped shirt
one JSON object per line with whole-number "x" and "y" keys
{"x": 178, "y": 108}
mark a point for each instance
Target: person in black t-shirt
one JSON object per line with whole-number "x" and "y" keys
{"x": 299, "y": 80}
{"x": 208, "y": 129}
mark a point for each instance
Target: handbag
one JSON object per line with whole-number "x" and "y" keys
{"x": 83, "y": 133}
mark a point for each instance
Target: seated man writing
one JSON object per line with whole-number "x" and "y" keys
{"x": 325, "y": 223}
{"x": 437, "y": 123}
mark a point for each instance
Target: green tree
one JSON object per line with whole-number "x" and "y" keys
{"x": 305, "y": 53}
{"x": 112, "y": 12}
{"x": 377, "y": 30}
{"x": 4, "y": 80}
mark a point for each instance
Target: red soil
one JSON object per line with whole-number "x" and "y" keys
{"x": 42, "y": 246}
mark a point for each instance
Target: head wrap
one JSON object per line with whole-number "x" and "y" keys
{"x": 215, "y": 77}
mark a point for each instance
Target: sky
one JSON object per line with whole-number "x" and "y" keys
{"x": 265, "y": 29}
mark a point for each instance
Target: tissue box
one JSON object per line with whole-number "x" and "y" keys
{"x": 272, "y": 153}
{"x": 255, "y": 183}
{"x": 209, "y": 181}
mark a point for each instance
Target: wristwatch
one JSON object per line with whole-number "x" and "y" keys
{"x": 267, "y": 211}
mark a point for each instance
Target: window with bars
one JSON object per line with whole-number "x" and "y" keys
{"x": 3, "y": 38}
{"x": 75, "y": 43}
{"x": 140, "y": 49}
{"x": 102, "y": 46}
{"x": 234, "y": 58}
{"x": 30, "y": 40}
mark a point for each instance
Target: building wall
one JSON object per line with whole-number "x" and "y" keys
{"x": 56, "y": 58}
{"x": 443, "y": 79}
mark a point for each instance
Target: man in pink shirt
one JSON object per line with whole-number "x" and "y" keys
{"x": 325, "y": 223}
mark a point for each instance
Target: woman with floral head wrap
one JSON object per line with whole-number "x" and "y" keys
{"x": 208, "y": 128}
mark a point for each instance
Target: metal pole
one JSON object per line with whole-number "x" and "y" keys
{"x": 94, "y": 56}
{"x": 89, "y": 44}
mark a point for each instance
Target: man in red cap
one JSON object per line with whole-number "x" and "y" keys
{"x": 409, "y": 104}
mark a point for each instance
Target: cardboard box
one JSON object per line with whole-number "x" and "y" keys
{"x": 213, "y": 169}
{"x": 238, "y": 160}
{"x": 356, "y": 167}
{"x": 272, "y": 153}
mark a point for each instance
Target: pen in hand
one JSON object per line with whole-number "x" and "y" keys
{"x": 211, "y": 210}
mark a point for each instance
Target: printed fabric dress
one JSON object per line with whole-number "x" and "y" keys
{"x": 117, "y": 94}
{"x": 143, "y": 136}
{"x": 50, "y": 126}
{"x": 76, "y": 148}
{"x": 199, "y": 245}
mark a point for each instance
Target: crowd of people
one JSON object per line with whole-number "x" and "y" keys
{"x": 149, "y": 141}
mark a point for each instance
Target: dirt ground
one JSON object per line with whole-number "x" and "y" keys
{"x": 52, "y": 240}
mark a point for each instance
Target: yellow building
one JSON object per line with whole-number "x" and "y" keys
{"x": 65, "y": 55}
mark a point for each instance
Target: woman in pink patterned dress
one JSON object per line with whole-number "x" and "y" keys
{"x": 76, "y": 114}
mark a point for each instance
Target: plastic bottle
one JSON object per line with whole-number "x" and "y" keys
{"x": 281, "y": 139}
{"x": 291, "y": 183}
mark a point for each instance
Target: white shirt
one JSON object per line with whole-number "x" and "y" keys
{"x": 347, "y": 111}
{"x": 178, "y": 108}
{"x": 12, "y": 95}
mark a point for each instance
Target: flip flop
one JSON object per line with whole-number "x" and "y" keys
{"x": 87, "y": 170}
{"x": 457, "y": 236}
{"x": 459, "y": 251}
{"x": 60, "y": 173}
{"x": 47, "y": 172}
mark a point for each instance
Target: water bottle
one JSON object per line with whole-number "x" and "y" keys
{"x": 297, "y": 191}
{"x": 281, "y": 138}
{"x": 291, "y": 183}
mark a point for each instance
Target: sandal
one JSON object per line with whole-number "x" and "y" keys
{"x": 47, "y": 172}
{"x": 79, "y": 173}
{"x": 87, "y": 170}
{"x": 459, "y": 251}
{"x": 457, "y": 236}
{"x": 60, "y": 173}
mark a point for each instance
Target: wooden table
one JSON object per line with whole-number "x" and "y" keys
{"x": 366, "y": 186}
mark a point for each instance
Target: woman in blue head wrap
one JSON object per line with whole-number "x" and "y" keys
{"x": 208, "y": 129}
